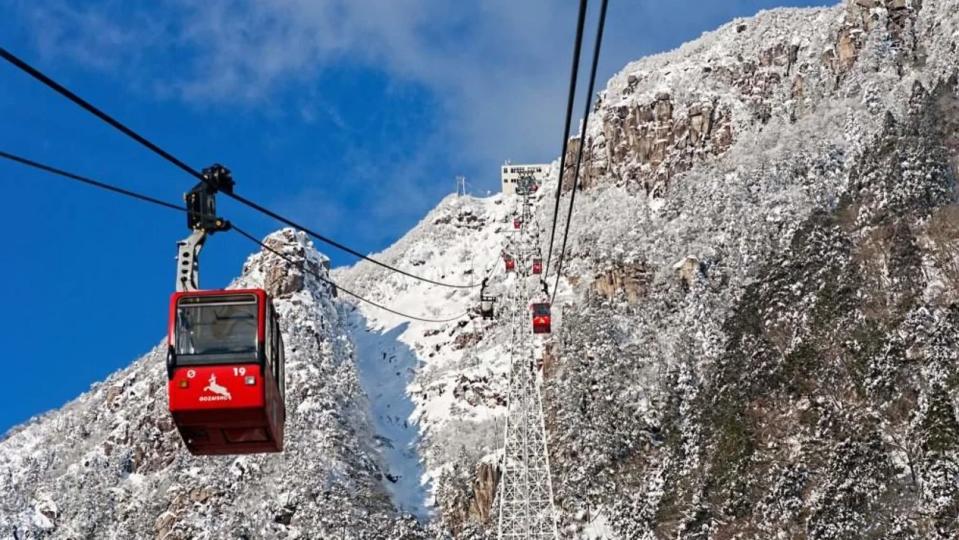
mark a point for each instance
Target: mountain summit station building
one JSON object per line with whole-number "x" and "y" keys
{"x": 510, "y": 175}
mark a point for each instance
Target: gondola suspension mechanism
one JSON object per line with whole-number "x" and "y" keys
{"x": 487, "y": 302}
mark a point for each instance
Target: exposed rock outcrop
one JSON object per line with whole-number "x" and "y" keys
{"x": 649, "y": 137}
{"x": 630, "y": 280}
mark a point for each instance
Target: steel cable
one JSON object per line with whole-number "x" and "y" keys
{"x": 574, "y": 71}
{"x": 340, "y": 288}
{"x": 89, "y": 107}
{"x": 582, "y": 143}
{"x": 146, "y": 198}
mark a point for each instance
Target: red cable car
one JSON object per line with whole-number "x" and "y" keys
{"x": 517, "y": 223}
{"x": 225, "y": 371}
{"x": 541, "y": 318}
{"x": 225, "y": 361}
{"x": 537, "y": 266}
{"x": 510, "y": 263}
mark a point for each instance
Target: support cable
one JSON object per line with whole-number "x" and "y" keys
{"x": 88, "y": 181}
{"x": 86, "y": 105}
{"x": 146, "y": 198}
{"x": 582, "y": 143}
{"x": 574, "y": 71}
{"x": 317, "y": 275}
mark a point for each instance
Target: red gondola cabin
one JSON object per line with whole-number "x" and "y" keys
{"x": 510, "y": 263}
{"x": 541, "y": 318}
{"x": 225, "y": 372}
{"x": 537, "y": 266}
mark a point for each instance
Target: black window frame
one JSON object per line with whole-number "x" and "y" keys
{"x": 204, "y": 359}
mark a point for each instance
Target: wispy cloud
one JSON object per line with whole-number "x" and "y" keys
{"x": 497, "y": 68}
{"x": 493, "y": 65}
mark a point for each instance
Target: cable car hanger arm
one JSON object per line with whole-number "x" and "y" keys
{"x": 202, "y": 221}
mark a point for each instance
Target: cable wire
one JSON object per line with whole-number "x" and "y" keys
{"x": 145, "y": 198}
{"x": 89, "y": 107}
{"x": 86, "y": 105}
{"x": 88, "y": 181}
{"x": 342, "y": 247}
{"x": 582, "y": 143}
{"x": 574, "y": 71}
{"x": 340, "y": 288}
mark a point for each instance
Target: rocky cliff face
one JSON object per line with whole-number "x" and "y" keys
{"x": 821, "y": 403}
{"x": 665, "y": 114}
{"x": 785, "y": 370}
{"x": 757, "y": 310}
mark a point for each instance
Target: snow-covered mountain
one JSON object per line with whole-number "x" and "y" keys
{"x": 758, "y": 300}
{"x": 110, "y": 464}
{"x": 449, "y": 379}
{"x": 756, "y": 339}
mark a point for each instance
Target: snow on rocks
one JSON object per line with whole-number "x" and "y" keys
{"x": 754, "y": 333}
{"x": 110, "y": 463}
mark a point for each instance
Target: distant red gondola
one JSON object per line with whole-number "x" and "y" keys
{"x": 225, "y": 370}
{"x": 517, "y": 223}
{"x": 541, "y": 318}
{"x": 537, "y": 266}
{"x": 510, "y": 263}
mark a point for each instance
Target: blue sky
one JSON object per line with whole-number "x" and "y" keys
{"x": 352, "y": 116}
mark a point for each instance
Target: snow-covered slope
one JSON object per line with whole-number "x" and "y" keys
{"x": 737, "y": 190}
{"x": 441, "y": 382}
{"x": 111, "y": 465}
{"x": 756, "y": 331}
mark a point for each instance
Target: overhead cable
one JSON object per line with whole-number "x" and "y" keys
{"x": 86, "y": 105}
{"x": 318, "y": 276}
{"x": 146, "y": 198}
{"x": 582, "y": 143}
{"x": 574, "y": 71}
{"x": 88, "y": 181}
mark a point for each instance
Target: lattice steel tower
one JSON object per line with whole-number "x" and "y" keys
{"x": 526, "y": 490}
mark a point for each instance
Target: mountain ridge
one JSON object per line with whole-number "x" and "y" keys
{"x": 754, "y": 333}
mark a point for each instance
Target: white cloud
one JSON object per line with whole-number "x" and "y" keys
{"x": 494, "y": 65}
{"x": 498, "y": 68}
